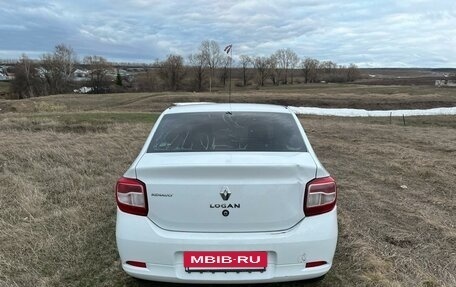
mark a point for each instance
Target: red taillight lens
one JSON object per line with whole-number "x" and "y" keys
{"x": 131, "y": 196}
{"x": 320, "y": 196}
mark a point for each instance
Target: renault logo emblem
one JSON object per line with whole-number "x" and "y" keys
{"x": 225, "y": 193}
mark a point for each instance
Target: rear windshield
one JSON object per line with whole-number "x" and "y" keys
{"x": 221, "y": 131}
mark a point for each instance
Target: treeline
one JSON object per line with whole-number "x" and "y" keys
{"x": 210, "y": 65}
{"x": 54, "y": 73}
{"x": 206, "y": 69}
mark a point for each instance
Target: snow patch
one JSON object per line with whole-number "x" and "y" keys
{"x": 83, "y": 90}
{"x": 373, "y": 113}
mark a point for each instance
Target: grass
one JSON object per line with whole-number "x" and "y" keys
{"x": 4, "y": 86}
{"x": 59, "y": 162}
{"x": 57, "y": 211}
{"x": 98, "y": 118}
{"x": 317, "y": 95}
{"x": 76, "y": 122}
{"x": 396, "y": 199}
{"x": 414, "y": 121}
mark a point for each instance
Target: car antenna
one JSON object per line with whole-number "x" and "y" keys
{"x": 229, "y": 51}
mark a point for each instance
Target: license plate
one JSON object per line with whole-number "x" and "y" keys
{"x": 225, "y": 261}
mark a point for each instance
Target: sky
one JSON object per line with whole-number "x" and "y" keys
{"x": 369, "y": 33}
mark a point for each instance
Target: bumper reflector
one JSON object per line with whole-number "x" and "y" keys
{"x": 137, "y": 264}
{"x": 315, "y": 263}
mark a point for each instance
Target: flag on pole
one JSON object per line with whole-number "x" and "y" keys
{"x": 228, "y": 48}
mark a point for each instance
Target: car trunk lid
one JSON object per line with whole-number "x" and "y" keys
{"x": 226, "y": 191}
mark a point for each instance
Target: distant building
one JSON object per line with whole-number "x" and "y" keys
{"x": 4, "y": 76}
{"x": 80, "y": 75}
{"x": 123, "y": 72}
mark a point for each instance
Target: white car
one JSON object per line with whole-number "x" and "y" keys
{"x": 226, "y": 193}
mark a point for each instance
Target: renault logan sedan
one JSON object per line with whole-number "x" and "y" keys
{"x": 226, "y": 193}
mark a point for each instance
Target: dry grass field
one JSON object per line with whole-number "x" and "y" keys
{"x": 4, "y": 88}
{"x": 61, "y": 155}
{"x": 313, "y": 95}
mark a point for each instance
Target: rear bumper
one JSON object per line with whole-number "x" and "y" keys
{"x": 313, "y": 239}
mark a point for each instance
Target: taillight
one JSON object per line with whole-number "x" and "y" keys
{"x": 131, "y": 196}
{"x": 320, "y": 196}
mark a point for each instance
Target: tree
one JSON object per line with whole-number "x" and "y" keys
{"x": 58, "y": 68}
{"x": 213, "y": 57}
{"x": 198, "y": 67}
{"x": 98, "y": 70}
{"x": 294, "y": 61}
{"x": 262, "y": 65}
{"x": 225, "y": 63}
{"x": 285, "y": 58}
{"x": 332, "y": 72}
{"x": 353, "y": 73}
{"x": 172, "y": 71}
{"x": 147, "y": 81}
{"x": 27, "y": 82}
{"x": 274, "y": 71}
{"x": 245, "y": 62}
{"x": 309, "y": 68}
{"x": 328, "y": 71}
{"x": 118, "y": 79}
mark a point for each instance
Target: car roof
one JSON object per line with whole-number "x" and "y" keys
{"x": 205, "y": 107}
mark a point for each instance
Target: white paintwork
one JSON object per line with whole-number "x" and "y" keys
{"x": 192, "y": 103}
{"x": 211, "y": 107}
{"x": 268, "y": 185}
{"x": 313, "y": 239}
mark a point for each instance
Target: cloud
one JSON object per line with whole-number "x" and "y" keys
{"x": 378, "y": 33}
